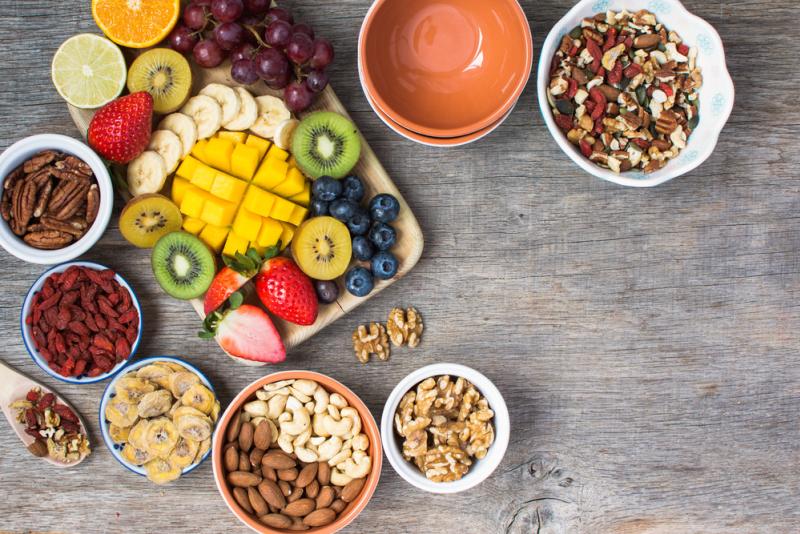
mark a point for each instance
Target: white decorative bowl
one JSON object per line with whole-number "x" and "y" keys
{"x": 716, "y": 94}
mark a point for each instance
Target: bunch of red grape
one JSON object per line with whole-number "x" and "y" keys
{"x": 262, "y": 42}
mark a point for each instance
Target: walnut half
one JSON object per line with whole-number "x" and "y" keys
{"x": 404, "y": 327}
{"x": 369, "y": 340}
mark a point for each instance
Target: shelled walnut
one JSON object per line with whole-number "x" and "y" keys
{"x": 404, "y": 327}
{"x": 369, "y": 340}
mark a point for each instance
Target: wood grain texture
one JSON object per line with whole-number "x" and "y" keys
{"x": 646, "y": 342}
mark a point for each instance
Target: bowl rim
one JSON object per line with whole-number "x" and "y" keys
{"x": 494, "y": 117}
{"x": 368, "y": 421}
{"x": 25, "y": 328}
{"x": 674, "y": 168}
{"x": 502, "y": 429}
{"x": 109, "y": 443}
{"x": 30, "y": 145}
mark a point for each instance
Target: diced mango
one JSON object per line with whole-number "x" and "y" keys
{"x": 247, "y": 224}
{"x": 187, "y": 168}
{"x": 179, "y": 188}
{"x": 271, "y": 173}
{"x": 304, "y": 198}
{"x": 278, "y": 153}
{"x": 203, "y": 177}
{"x": 214, "y": 236}
{"x": 228, "y": 188}
{"x": 193, "y": 201}
{"x": 235, "y": 244}
{"x": 218, "y": 212}
{"x": 298, "y": 215}
{"x": 292, "y": 162}
{"x": 259, "y": 201}
{"x": 218, "y": 153}
{"x": 236, "y": 137}
{"x": 192, "y": 225}
{"x": 271, "y": 231}
{"x": 262, "y": 145}
{"x": 244, "y": 161}
{"x": 199, "y": 150}
{"x": 292, "y": 185}
{"x": 287, "y": 235}
{"x": 282, "y": 209}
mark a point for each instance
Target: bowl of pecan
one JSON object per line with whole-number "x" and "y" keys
{"x": 636, "y": 94}
{"x": 57, "y": 199}
{"x": 445, "y": 428}
{"x": 81, "y": 322}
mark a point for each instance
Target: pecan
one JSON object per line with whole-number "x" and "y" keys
{"x": 39, "y": 161}
{"x": 593, "y": 35}
{"x": 43, "y": 198}
{"x": 666, "y": 123}
{"x": 25, "y": 204}
{"x": 92, "y": 203}
{"x": 41, "y": 176}
{"x": 630, "y": 120}
{"x": 73, "y": 203}
{"x": 62, "y": 195}
{"x": 12, "y": 178}
{"x": 74, "y": 164}
{"x": 48, "y": 239}
{"x": 76, "y": 228}
{"x": 5, "y": 206}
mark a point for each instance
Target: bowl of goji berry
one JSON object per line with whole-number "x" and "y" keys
{"x": 81, "y": 322}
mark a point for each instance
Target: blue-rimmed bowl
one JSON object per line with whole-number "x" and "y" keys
{"x": 27, "y": 337}
{"x": 108, "y": 394}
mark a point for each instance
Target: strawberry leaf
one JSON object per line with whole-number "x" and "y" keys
{"x": 235, "y": 300}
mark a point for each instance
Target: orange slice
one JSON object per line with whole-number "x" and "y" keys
{"x": 136, "y": 23}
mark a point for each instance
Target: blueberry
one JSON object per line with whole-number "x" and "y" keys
{"x": 359, "y": 281}
{"x": 319, "y": 207}
{"x": 362, "y": 248}
{"x": 384, "y": 208}
{"x": 342, "y": 209}
{"x": 382, "y": 236}
{"x": 327, "y": 291}
{"x": 326, "y": 188}
{"x": 359, "y": 223}
{"x": 384, "y": 265}
{"x": 353, "y": 189}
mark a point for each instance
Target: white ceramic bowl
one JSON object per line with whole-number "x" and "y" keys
{"x": 27, "y": 337}
{"x": 716, "y": 94}
{"x": 480, "y": 469}
{"x": 108, "y": 394}
{"x": 22, "y": 150}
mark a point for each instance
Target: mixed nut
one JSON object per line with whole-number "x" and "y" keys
{"x": 51, "y": 200}
{"x": 445, "y": 424}
{"x": 295, "y": 456}
{"x": 55, "y": 427}
{"x": 83, "y": 322}
{"x": 624, "y": 88}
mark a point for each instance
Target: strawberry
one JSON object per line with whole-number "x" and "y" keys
{"x": 248, "y": 333}
{"x": 120, "y": 131}
{"x": 286, "y": 291}
{"x": 238, "y": 271}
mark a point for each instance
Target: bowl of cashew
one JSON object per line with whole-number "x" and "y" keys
{"x": 296, "y": 450}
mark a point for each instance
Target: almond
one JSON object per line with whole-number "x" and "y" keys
{"x": 276, "y": 520}
{"x": 268, "y": 472}
{"x": 296, "y": 494}
{"x": 286, "y": 489}
{"x": 244, "y": 461}
{"x": 240, "y": 494}
{"x": 272, "y": 493}
{"x": 312, "y": 490}
{"x": 255, "y": 458}
{"x": 324, "y": 473}
{"x": 352, "y": 489}
{"x": 338, "y": 505}
{"x": 646, "y": 41}
{"x": 234, "y": 426}
{"x": 231, "y": 459}
{"x": 319, "y": 518}
{"x": 278, "y": 460}
{"x": 246, "y": 436}
{"x": 243, "y": 479}
{"x": 257, "y": 501}
{"x": 300, "y": 507}
{"x": 262, "y": 437}
{"x": 325, "y": 497}
{"x": 287, "y": 474}
{"x": 307, "y": 474}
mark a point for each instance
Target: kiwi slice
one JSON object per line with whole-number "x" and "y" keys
{"x": 163, "y": 73}
{"x": 147, "y": 218}
{"x": 322, "y": 248}
{"x": 183, "y": 265}
{"x": 326, "y": 144}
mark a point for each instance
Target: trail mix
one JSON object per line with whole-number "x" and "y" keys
{"x": 624, "y": 89}
{"x": 55, "y": 427}
{"x": 83, "y": 322}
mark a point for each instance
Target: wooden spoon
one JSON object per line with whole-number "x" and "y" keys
{"x": 15, "y": 386}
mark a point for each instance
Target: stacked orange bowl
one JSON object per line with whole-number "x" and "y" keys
{"x": 444, "y": 73}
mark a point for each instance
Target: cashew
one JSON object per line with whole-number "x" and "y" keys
{"x": 329, "y": 448}
{"x": 360, "y": 442}
{"x": 333, "y": 411}
{"x": 293, "y": 404}
{"x": 256, "y": 408}
{"x": 309, "y": 406}
{"x": 285, "y": 416}
{"x": 321, "y": 399}
{"x": 338, "y": 401}
{"x": 278, "y": 392}
{"x": 306, "y": 455}
{"x": 299, "y": 423}
{"x": 337, "y": 428}
{"x": 301, "y": 440}
{"x": 308, "y": 387}
{"x": 278, "y": 385}
{"x": 348, "y": 444}
{"x": 358, "y": 456}
{"x": 343, "y": 455}
{"x": 352, "y": 413}
{"x": 299, "y": 395}
{"x": 276, "y": 406}
{"x": 319, "y": 430}
{"x": 339, "y": 479}
{"x": 360, "y": 469}
{"x": 257, "y": 420}
{"x": 285, "y": 443}
{"x": 317, "y": 440}
{"x": 262, "y": 395}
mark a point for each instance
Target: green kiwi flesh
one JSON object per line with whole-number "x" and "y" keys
{"x": 183, "y": 265}
{"x": 326, "y": 144}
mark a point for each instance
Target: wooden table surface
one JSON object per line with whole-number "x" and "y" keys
{"x": 646, "y": 341}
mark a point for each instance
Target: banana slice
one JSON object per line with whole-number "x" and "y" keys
{"x": 184, "y": 411}
{"x": 169, "y": 146}
{"x": 215, "y": 411}
{"x": 174, "y": 366}
{"x": 206, "y": 114}
{"x": 193, "y": 427}
{"x": 227, "y": 98}
{"x": 137, "y": 435}
{"x": 162, "y": 471}
{"x": 248, "y": 112}
{"x": 155, "y": 404}
{"x": 184, "y": 453}
{"x": 135, "y": 456}
{"x": 202, "y": 450}
{"x": 181, "y": 381}
{"x": 147, "y": 173}
{"x": 156, "y": 373}
{"x": 284, "y": 133}
{"x": 271, "y": 113}
{"x": 119, "y": 434}
{"x": 131, "y": 389}
{"x": 161, "y": 437}
{"x": 184, "y": 127}
{"x": 121, "y": 413}
{"x": 171, "y": 412}
{"x": 200, "y": 397}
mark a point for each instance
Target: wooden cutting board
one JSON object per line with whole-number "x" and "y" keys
{"x": 409, "y": 234}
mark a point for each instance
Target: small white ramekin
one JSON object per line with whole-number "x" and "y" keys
{"x": 22, "y": 150}
{"x": 480, "y": 469}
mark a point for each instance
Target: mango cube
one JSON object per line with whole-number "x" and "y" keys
{"x": 218, "y": 212}
{"x": 235, "y": 244}
{"x": 298, "y": 215}
{"x": 292, "y": 185}
{"x": 304, "y": 197}
{"x": 287, "y": 235}
{"x": 271, "y": 231}
{"x": 218, "y": 153}
{"x": 244, "y": 161}
{"x": 282, "y": 209}
{"x": 192, "y": 225}
{"x": 187, "y": 168}
{"x": 278, "y": 153}
{"x": 228, "y": 188}
{"x": 199, "y": 150}
{"x": 193, "y": 201}
{"x": 203, "y": 177}
{"x": 258, "y": 201}
{"x": 262, "y": 145}
{"x": 247, "y": 224}
{"x": 271, "y": 173}
{"x": 235, "y": 137}
{"x": 214, "y": 236}
{"x": 179, "y": 188}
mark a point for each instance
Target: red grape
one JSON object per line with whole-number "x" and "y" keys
{"x": 182, "y": 40}
{"x": 206, "y": 3}
{"x": 323, "y": 54}
{"x": 271, "y": 63}
{"x": 249, "y": 20}
{"x": 279, "y": 82}
{"x": 279, "y": 13}
{"x": 278, "y": 33}
{"x": 243, "y": 51}
{"x": 303, "y": 28}
{"x": 317, "y": 80}
{"x": 297, "y": 96}
{"x": 194, "y": 16}
{"x": 229, "y": 35}
{"x": 227, "y": 10}
{"x": 257, "y": 7}
{"x": 244, "y": 71}
{"x": 208, "y": 54}
{"x": 300, "y": 48}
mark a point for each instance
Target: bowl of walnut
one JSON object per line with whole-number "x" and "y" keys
{"x": 57, "y": 199}
{"x": 445, "y": 428}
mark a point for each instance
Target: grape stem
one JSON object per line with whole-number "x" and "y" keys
{"x": 252, "y": 30}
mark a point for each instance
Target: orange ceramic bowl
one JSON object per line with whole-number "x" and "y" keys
{"x": 369, "y": 427}
{"x": 445, "y": 68}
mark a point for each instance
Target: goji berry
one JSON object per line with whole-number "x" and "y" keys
{"x": 629, "y": 42}
{"x": 564, "y": 122}
{"x": 102, "y": 342}
{"x": 615, "y": 76}
{"x": 69, "y": 278}
{"x": 594, "y": 50}
{"x": 33, "y": 432}
{"x": 600, "y": 101}
{"x": 80, "y": 367}
{"x": 70, "y": 427}
{"x": 611, "y": 39}
{"x": 46, "y": 401}
{"x": 128, "y": 316}
{"x": 598, "y": 125}
{"x": 641, "y": 143}
{"x": 32, "y": 396}
{"x": 683, "y": 49}
{"x": 100, "y": 321}
{"x": 95, "y": 371}
{"x": 132, "y": 333}
{"x": 632, "y": 70}
{"x": 573, "y": 88}
{"x": 573, "y": 51}
{"x": 667, "y": 89}
{"x": 121, "y": 349}
{"x": 586, "y": 148}
{"x": 48, "y": 303}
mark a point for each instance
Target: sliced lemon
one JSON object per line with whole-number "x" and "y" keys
{"x": 88, "y": 71}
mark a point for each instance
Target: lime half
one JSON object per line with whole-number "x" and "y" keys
{"x": 88, "y": 71}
